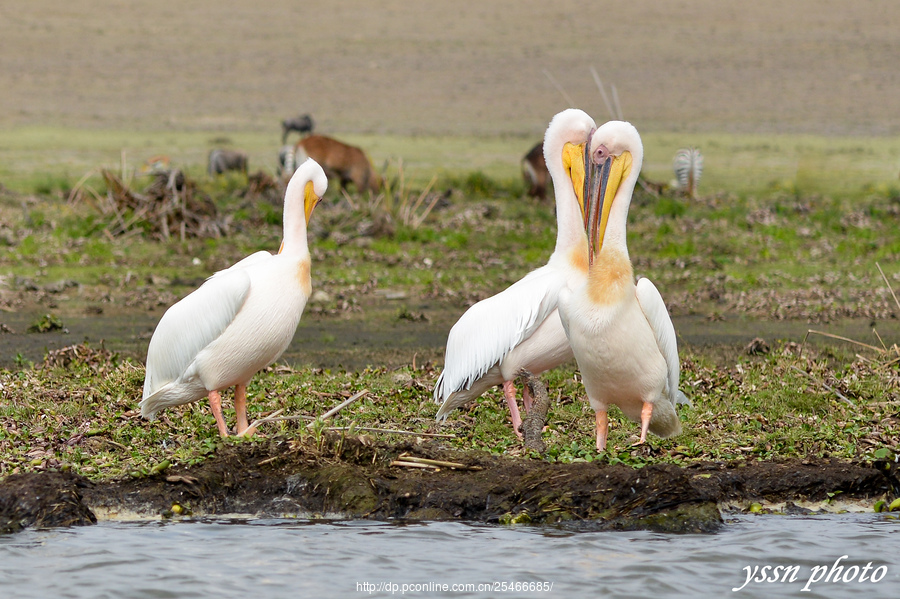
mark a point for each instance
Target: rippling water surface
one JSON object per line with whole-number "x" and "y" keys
{"x": 290, "y": 558}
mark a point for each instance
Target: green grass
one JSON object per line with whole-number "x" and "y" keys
{"x": 84, "y": 417}
{"x": 797, "y": 165}
{"x": 823, "y": 246}
{"x": 778, "y": 244}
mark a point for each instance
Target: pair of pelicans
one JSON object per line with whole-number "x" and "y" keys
{"x": 584, "y": 303}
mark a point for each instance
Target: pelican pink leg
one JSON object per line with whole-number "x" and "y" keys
{"x": 646, "y": 414}
{"x": 602, "y": 429}
{"x": 215, "y": 403}
{"x": 240, "y": 408}
{"x": 509, "y": 392}
{"x": 527, "y": 399}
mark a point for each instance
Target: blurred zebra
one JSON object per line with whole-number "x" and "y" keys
{"x": 688, "y": 165}
{"x": 287, "y": 162}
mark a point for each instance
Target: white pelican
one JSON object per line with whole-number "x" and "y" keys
{"x": 239, "y": 321}
{"x": 520, "y": 327}
{"x": 621, "y": 333}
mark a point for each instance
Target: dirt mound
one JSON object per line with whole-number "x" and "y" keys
{"x": 44, "y": 500}
{"x": 344, "y": 477}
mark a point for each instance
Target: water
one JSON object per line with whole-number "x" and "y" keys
{"x": 290, "y": 558}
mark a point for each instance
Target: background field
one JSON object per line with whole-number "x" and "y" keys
{"x": 454, "y": 85}
{"x": 461, "y": 68}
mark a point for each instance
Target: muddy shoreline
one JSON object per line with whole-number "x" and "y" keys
{"x": 377, "y": 336}
{"x": 354, "y": 478}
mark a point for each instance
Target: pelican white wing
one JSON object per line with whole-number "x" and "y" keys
{"x": 192, "y": 324}
{"x": 654, "y": 309}
{"x": 490, "y": 329}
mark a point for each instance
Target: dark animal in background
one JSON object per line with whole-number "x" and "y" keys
{"x": 535, "y": 173}
{"x": 302, "y": 124}
{"x": 341, "y": 161}
{"x": 221, "y": 161}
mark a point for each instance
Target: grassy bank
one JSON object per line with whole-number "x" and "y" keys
{"x": 83, "y": 416}
{"x": 775, "y": 236}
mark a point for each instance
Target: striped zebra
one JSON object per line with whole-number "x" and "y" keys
{"x": 287, "y": 162}
{"x": 688, "y": 165}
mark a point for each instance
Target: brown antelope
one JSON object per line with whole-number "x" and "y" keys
{"x": 346, "y": 163}
{"x": 535, "y": 173}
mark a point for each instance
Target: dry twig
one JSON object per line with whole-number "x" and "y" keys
{"x": 840, "y": 395}
{"x": 888, "y": 285}
{"x": 410, "y": 461}
{"x": 392, "y": 431}
{"x": 829, "y": 335}
{"x": 340, "y": 407}
{"x": 277, "y": 417}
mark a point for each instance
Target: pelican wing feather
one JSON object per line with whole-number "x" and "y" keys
{"x": 657, "y": 315}
{"x": 490, "y": 329}
{"x": 192, "y": 324}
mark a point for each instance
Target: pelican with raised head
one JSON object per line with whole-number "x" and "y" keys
{"x": 520, "y": 327}
{"x": 239, "y": 321}
{"x": 620, "y": 331}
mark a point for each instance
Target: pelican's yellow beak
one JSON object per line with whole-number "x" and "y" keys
{"x": 576, "y": 163}
{"x": 573, "y": 163}
{"x": 310, "y": 200}
{"x": 607, "y": 176}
